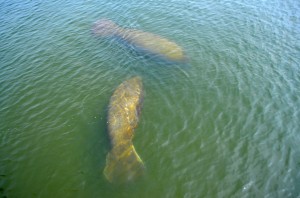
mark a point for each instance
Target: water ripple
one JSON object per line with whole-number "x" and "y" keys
{"x": 223, "y": 125}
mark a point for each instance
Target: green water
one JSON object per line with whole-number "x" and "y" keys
{"x": 226, "y": 124}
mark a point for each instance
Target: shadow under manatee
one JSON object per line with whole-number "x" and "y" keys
{"x": 2, "y": 192}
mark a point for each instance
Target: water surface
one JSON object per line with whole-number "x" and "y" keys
{"x": 224, "y": 125}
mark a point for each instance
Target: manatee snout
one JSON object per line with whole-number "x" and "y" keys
{"x": 104, "y": 27}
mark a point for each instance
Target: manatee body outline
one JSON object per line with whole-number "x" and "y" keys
{"x": 122, "y": 162}
{"x": 143, "y": 41}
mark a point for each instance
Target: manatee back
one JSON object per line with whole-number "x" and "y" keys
{"x": 154, "y": 44}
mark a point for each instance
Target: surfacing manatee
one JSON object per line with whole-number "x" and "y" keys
{"x": 122, "y": 162}
{"x": 143, "y": 41}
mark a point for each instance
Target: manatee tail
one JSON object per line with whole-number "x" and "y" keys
{"x": 123, "y": 166}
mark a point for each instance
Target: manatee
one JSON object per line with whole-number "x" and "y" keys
{"x": 123, "y": 164}
{"x": 142, "y": 41}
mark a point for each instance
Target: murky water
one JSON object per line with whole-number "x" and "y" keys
{"x": 226, "y": 124}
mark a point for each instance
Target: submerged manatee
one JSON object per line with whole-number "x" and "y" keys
{"x": 144, "y": 41}
{"x": 122, "y": 162}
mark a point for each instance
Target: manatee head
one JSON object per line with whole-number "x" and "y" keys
{"x": 105, "y": 27}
